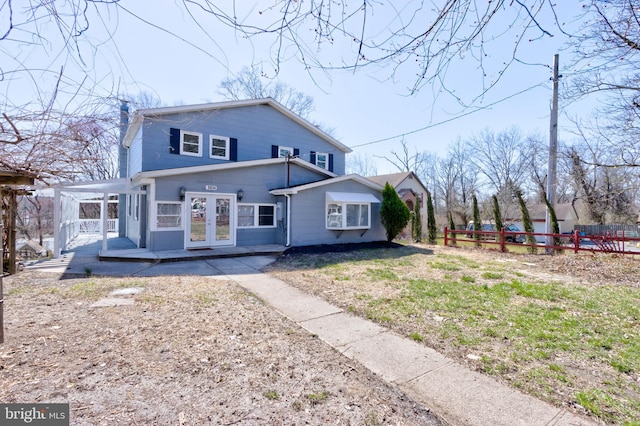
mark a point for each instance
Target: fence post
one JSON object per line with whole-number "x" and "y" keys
{"x": 576, "y": 241}
{"x": 446, "y": 241}
{"x": 503, "y": 247}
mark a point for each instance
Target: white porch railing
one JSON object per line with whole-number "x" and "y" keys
{"x": 94, "y": 226}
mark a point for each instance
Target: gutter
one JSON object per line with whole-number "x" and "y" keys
{"x": 288, "y": 229}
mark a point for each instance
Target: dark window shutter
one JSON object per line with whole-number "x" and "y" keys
{"x": 233, "y": 149}
{"x": 174, "y": 141}
{"x": 296, "y": 152}
{"x": 274, "y": 151}
{"x": 312, "y": 157}
{"x": 331, "y": 162}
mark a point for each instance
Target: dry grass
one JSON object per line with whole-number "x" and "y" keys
{"x": 565, "y": 329}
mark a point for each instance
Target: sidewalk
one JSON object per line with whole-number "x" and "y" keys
{"x": 455, "y": 394}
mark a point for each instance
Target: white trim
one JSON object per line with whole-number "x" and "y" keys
{"x": 288, "y": 149}
{"x": 351, "y": 197}
{"x": 228, "y": 166}
{"x": 256, "y": 215}
{"x": 227, "y": 148}
{"x": 326, "y": 161}
{"x": 354, "y": 177}
{"x": 191, "y": 154}
{"x": 154, "y": 216}
{"x": 210, "y": 240}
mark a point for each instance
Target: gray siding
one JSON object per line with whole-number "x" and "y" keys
{"x": 135, "y": 154}
{"x": 308, "y": 217}
{"x": 256, "y": 128}
{"x": 255, "y": 182}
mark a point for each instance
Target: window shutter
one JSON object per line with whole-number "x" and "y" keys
{"x": 274, "y": 151}
{"x": 331, "y": 162}
{"x": 296, "y": 152}
{"x": 233, "y": 149}
{"x": 312, "y": 157}
{"x": 174, "y": 141}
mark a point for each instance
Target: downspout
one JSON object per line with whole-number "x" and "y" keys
{"x": 288, "y": 229}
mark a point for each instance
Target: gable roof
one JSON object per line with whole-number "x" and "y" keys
{"x": 395, "y": 179}
{"x": 158, "y": 112}
{"x": 226, "y": 166}
{"x": 295, "y": 189}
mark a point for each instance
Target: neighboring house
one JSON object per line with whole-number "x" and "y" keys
{"x": 565, "y": 213}
{"x": 239, "y": 173}
{"x": 411, "y": 191}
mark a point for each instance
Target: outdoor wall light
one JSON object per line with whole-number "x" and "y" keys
{"x": 240, "y": 194}
{"x": 182, "y": 192}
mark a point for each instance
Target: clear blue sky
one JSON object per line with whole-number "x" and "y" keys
{"x": 361, "y": 107}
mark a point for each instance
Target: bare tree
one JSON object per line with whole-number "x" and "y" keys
{"x": 608, "y": 193}
{"x": 249, "y": 84}
{"x": 608, "y": 55}
{"x": 405, "y": 161}
{"x": 503, "y": 159}
{"x": 457, "y": 180}
{"x": 363, "y": 165}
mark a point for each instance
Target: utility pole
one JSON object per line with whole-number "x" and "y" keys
{"x": 553, "y": 152}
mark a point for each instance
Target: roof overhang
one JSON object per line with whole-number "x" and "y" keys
{"x": 139, "y": 116}
{"x": 8, "y": 178}
{"x": 153, "y": 174}
{"x": 353, "y": 177}
{"x": 351, "y": 197}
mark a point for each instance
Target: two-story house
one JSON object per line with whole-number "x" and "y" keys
{"x": 239, "y": 173}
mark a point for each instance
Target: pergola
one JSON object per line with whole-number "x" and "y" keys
{"x": 67, "y": 198}
{"x": 11, "y": 184}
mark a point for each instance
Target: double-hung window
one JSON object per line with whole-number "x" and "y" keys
{"x": 349, "y": 210}
{"x": 168, "y": 215}
{"x": 190, "y": 143}
{"x": 322, "y": 160}
{"x": 256, "y": 215}
{"x": 285, "y": 151}
{"x": 219, "y": 147}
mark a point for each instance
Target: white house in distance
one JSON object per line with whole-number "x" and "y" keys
{"x": 565, "y": 213}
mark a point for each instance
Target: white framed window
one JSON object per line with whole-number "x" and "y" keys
{"x": 348, "y": 216}
{"x": 256, "y": 215}
{"x": 285, "y": 151}
{"x": 219, "y": 147}
{"x": 168, "y": 215}
{"x": 349, "y": 210}
{"x": 322, "y": 160}
{"x": 190, "y": 143}
{"x": 136, "y": 207}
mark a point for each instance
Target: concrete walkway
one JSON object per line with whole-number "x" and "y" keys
{"x": 455, "y": 394}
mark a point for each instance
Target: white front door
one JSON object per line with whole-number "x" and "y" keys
{"x": 210, "y": 220}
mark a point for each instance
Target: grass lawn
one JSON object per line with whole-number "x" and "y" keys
{"x": 570, "y": 340}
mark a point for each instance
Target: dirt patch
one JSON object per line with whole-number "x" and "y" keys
{"x": 188, "y": 350}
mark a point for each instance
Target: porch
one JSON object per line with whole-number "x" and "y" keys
{"x": 123, "y": 249}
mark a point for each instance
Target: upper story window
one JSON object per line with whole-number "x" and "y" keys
{"x": 322, "y": 160}
{"x": 285, "y": 151}
{"x": 190, "y": 143}
{"x": 219, "y": 147}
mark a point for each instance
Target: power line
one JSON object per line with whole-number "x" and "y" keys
{"x": 513, "y": 95}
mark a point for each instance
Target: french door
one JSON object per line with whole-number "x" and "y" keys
{"x": 210, "y": 220}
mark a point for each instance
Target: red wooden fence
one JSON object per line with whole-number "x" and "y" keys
{"x": 608, "y": 243}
